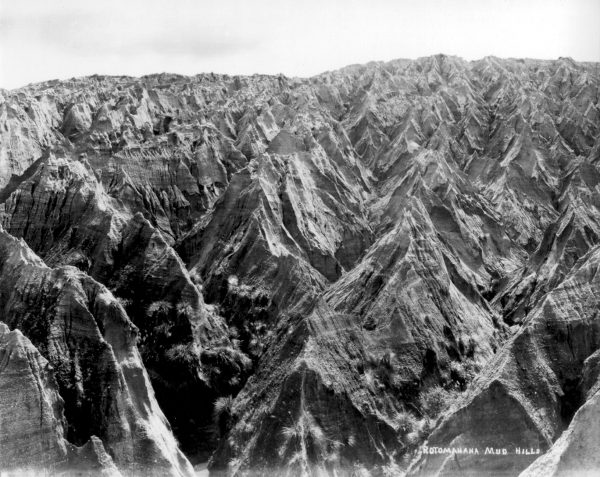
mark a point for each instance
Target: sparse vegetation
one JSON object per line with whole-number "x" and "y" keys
{"x": 462, "y": 373}
{"x": 392, "y": 469}
{"x": 183, "y": 354}
{"x": 435, "y": 400}
{"x": 380, "y": 371}
{"x": 369, "y": 379}
{"x": 124, "y": 302}
{"x": 406, "y": 422}
{"x": 305, "y": 436}
{"x": 222, "y": 413}
{"x": 185, "y": 309}
{"x": 162, "y": 307}
{"x": 195, "y": 277}
{"x": 223, "y": 405}
{"x": 386, "y": 360}
{"x": 226, "y": 367}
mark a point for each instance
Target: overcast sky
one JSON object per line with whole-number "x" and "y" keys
{"x": 47, "y": 39}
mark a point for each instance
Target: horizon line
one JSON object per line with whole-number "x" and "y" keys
{"x": 281, "y": 74}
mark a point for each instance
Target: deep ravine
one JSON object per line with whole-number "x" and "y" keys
{"x": 303, "y": 276}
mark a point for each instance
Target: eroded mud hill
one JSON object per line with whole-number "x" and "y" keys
{"x": 303, "y": 275}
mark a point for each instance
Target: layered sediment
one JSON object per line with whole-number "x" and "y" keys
{"x": 305, "y": 276}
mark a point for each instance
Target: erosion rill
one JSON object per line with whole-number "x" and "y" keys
{"x": 388, "y": 268}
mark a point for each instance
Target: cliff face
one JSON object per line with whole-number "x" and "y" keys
{"x": 92, "y": 369}
{"x": 530, "y": 390}
{"x": 573, "y": 453}
{"x": 31, "y": 418}
{"x": 320, "y": 274}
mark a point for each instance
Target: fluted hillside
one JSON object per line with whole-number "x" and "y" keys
{"x": 304, "y": 276}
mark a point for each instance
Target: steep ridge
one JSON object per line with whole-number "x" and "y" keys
{"x": 88, "y": 339}
{"x": 28, "y": 439}
{"x": 367, "y": 355}
{"x": 573, "y": 453}
{"x": 32, "y": 420}
{"x": 319, "y": 267}
{"x": 530, "y": 390}
{"x": 65, "y": 215}
{"x": 564, "y": 242}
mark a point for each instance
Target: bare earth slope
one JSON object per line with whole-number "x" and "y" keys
{"x": 315, "y": 276}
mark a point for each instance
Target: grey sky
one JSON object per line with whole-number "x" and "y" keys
{"x": 47, "y": 39}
